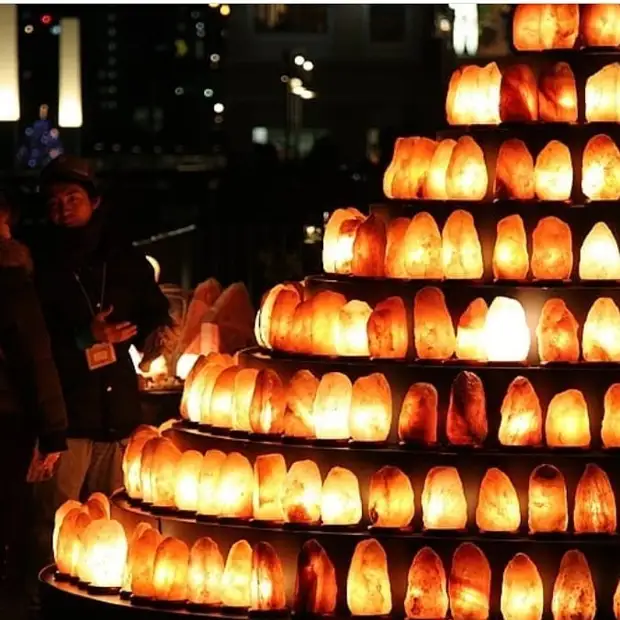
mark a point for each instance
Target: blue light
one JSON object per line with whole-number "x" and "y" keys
{"x": 55, "y": 29}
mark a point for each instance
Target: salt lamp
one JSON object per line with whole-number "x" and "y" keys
{"x": 164, "y": 473}
{"x": 601, "y": 332}
{"x": 599, "y": 175}
{"x": 236, "y": 580}
{"x": 79, "y": 558}
{"x": 326, "y": 307}
{"x": 518, "y": 94}
{"x": 269, "y": 480}
{"x": 338, "y": 247}
{"x": 188, "y": 481}
{"x": 553, "y": 172}
{"x": 300, "y": 395}
{"x": 444, "y": 506}
{"x": 209, "y": 379}
{"x": 506, "y": 334}
{"x": 595, "y": 503}
{"x": 170, "y": 571}
{"x": 427, "y": 595}
{"x": 301, "y": 328}
{"x": 474, "y": 95}
{"x": 432, "y": 325}
{"x": 388, "y": 336}
{"x": 132, "y": 541}
{"x": 332, "y": 407}
{"x": 353, "y": 333}
{"x": 510, "y": 259}
{"x": 267, "y": 404}
{"x": 341, "y": 502}
{"x": 68, "y": 544}
{"x": 316, "y": 589}
{"x": 466, "y": 423}
{"x": 547, "y": 502}
{"x": 602, "y": 95}
{"x": 190, "y": 381}
{"x": 209, "y": 482}
{"x": 368, "y": 582}
{"x": 390, "y": 498}
{"x": 466, "y": 176}
{"x": 204, "y": 576}
{"x": 470, "y": 583}
{"x": 557, "y": 333}
{"x": 568, "y": 424}
{"x": 278, "y": 303}
{"x": 132, "y": 460}
{"x": 417, "y": 422}
{"x": 610, "y": 431}
{"x": 142, "y": 561}
{"x": 369, "y": 248}
{"x": 423, "y": 248}
{"x": 235, "y": 487}
{"x": 521, "y": 415}
{"x": 267, "y": 581}
{"x": 470, "y": 342}
{"x": 282, "y": 317}
{"x": 222, "y": 398}
{"x": 557, "y": 94}
{"x": 395, "y": 248}
{"x": 545, "y": 27}
{"x": 301, "y": 498}
{"x": 243, "y": 390}
{"x": 146, "y": 467}
{"x": 522, "y": 590}
{"x": 574, "y": 595}
{"x": 600, "y": 25}
{"x": 97, "y": 506}
{"x": 514, "y": 172}
{"x": 59, "y": 517}
{"x": 435, "y": 184}
{"x": 371, "y": 409}
{"x": 103, "y": 556}
{"x": 552, "y": 250}
{"x": 498, "y": 508}
{"x": 599, "y": 257}
{"x": 405, "y": 176}
{"x": 461, "y": 250}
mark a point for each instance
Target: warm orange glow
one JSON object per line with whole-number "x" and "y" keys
{"x": 610, "y": 431}
{"x": 552, "y": 253}
{"x": 368, "y": 582}
{"x": 470, "y": 339}
{"x": 237, "y": 576}
{"x": 163, "y": 473}
{"x": 406, "y": 174}
{"x": 206, "y": 568}
{"x": 369, "y": 248}
{"x": 316, "y": 589}
{"x": 557, "y": 94}
{"x": 601, "y": 160}
{"x": 103, "y": 555}
{"x": 510, "y": 259}
{"x": 395, "y": 252}
{"x": 222, "y": 398}
{"x": 553, "y": 172}
{"x": 98, "y": 506}
{"x": 556, "y": 333}
{"x": 243, "y": 390}
{"x": 267, "y": 404}
{"x": 601, "y": 95}
{"x": 601, "y": 332}
{"x": 388, "y": 336}
{"x": 341, "y": 503}
{"x": 338, "y": 240}
{"x": 470, "y": 583}
{"x": 132, "y": 556}
{"x": 522, "y": 590}
{"x": 273, "y": 320}
{"x": 427, "y": 595}
{"x": 423, "y": 260}
{"x": 595, "y": 503}
{"x": 68, "y": 545}
{"x": 600, "y": 25}
{"x": 616, "y": 601}
{"x": 574, "y": 595}
{"x": 326, "y": 307}
{"x": 267, "y": 582}
{"x": 188, "y": 481}
{"x": 371, "y": 409}
{"x": 432, "y": 325}
{"x": 212, "y": 462}
{"x": 300, "y": 395}
{"x": 435, "y": 184}
{"x": 518, "y": 94}
{"x": 202, "y": 411}
{"x": 461, "y": 250}
{"x": 466, "y": 423}
{"x": 170, "y": 571}
{"x": 444, "y": 506}
{"x": 132, "y": 460}
{"x": 498, "y": 508}
{"x": 80, "y": 566}
{"x": 235, "y": 487}
{"x": 353, "y": 332}
{"x": 197, "y": 393}
{"x": 301, "y": 499}
{"x": 538, "y": 27}
{"x": 142, "y": 562}
{"x": 302, "y": 327}
{"x": 332, "y": 406}
{"x": 390, "y": 498}
{"x": 474, "y": 95}
{"x": 466, "y": 176}
{"x": 417, "y": 422}
{"x": 521, "y": 414}
{"x": 59, "y": 518}
{"x": 506, "y": 333}
{"x": 568, "y": 424}
{"x": 514, "y": 172}
{"x": 547, "y": 502}
{"x": 269, "y": 481}
{"x": 146, "y": 466}
{"x": 599, "y": 258}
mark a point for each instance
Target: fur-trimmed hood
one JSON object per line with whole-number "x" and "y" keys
{"x": 14, "y": 254}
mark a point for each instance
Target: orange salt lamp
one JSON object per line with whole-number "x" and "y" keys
{"x": 600, "y": 25}
{"x": 574, "y": 595}
{"x": 522, "y": 590}
{"x": 353, "y": 334}
{"x": 97, "y": 506}
{"x": 435, "y": 184}
{"x": 368, "y": 582}
{"x": 498, "y": 508}
{"x": 427, "y": 594}
{"x": 601, "y": 332}
{"x": 466, "y": 423}
{"x": 557, "y": 94}
{"x": 316, "y": 589}
{"x": 142, "y": 559}
{"x": 369, "y": 248}
{"x": 267, "y": 581}
{"x": 557, "y": 333}
{"x": 595, "y": 503}
{"x": 204, "y": 577}
{"x": 599, "y": 257}
{"x": 417, "y": 422}
{"x": 235, "y": 487}
{"x": 610, "y": 431}
{"x": 208, "y": 484}
{"x": 210, "y": 377}
{"x": 388, "y": 336}
{"x": 278, "y": 303}
{"x": 474, "y": 95}
{"x": 170, "y": 571}
{"x": 395, "y": 249}
{"x": 514, "y": 172}
{"x": 187, "y": 485}
{"x": 552, "y": 252}
{"x": 553, "y": 172}
{"x": 146, "y": 466}
{"x": 444, "y": 506}
{"x": 423, "y": 259}
{"x": 269, "y": 481}
{"x": 80, "y": 568}
{"x": 243, "y": 390}
{"x": 469, "y": 586}
{"x": 332, "y": 407}
{"x": 301, "y": 499}
{"x": 222, "y": 398}
{"x": 432, "y": 325}
{"x": 601, "y": 95}
{"x": 406, "y": 174}
{"x": 300, "y": 395}
{"x": 371, "y": 409}
{"x": 164, "y": 473}
{"x": 267, "y": 404}
{"x": 237, "y": 577}
{"x": 547, "y": 503}
{"x": 518, "y": 95}
{"x": 466, "y": 176}
{"x": 326, "y": 307}
{"x": 59, "y": 518}
{"x": 506, "y": 333}
{"x": 103, "y": 555}
{"x": 510, "y": 259}
{"x": 338, "y": 247}
{"x": 132, "y": 459}
{"x": 68, "y": 544}
{"x": 470, "y": 342}
{"x": 347, "y": 235}
{"x": 390, "y": 498}
{"x": 301, "y": 328}
{"x": 190, "y": 385}
{"x": 461, "y": 251}
{"x": 545, "y": 27}
{"x": 341, "y": 503}
{"x": 568, "y": 424}
{"x": 601, "y": 160}
{"x": 521, "y": 415}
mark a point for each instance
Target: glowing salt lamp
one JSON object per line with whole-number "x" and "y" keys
{"x": 552, "y": 252}
{"x": 301, "y": 328}
{"x": 427, "y": 595}
{"x": 341, "y": 503}
{"x": 466, "y": 423}
{"x": 417, "y": 422}
{"x": 222, "y": 398}
{"x": 432, "y": 325}
{"x": 204, "y": 576}
{"x": 326, "y": 307}
{"x": 521, "y": 414}
{"x": 466, "y": 176}
{"x": 395, "y": 250}
{"x": 595, "y": 503}
{"x": 300, "y": 395}
{"x": 146, "y": 465}
{"x": 423, "y": 259}
{"x": 208, "y": 484}
{"x": 371, "y": 409}
{"x": 138, "y": 531}
{"x": 522, "y": 590}
{"x": 470, "y": 342}
{"x": 164, "y": 473}
{"x": 405, "y": 176}
{"x": 545, "y": 27}
{"x": 140, "y": 561}
{"x": 444, "y": 506}
{"x": 59, "y": 518}
{"x": 316, "y": 589}
{"x": 243, "y": 390}
{"x": 369, "y": 248}
{"x": 79, "y": 559}
{"x": 390, "y": 498}
{"x": 506, "y": 334}
{"x": 267, "y": 580}
{"x": 610, "y": 431}
{"x": 132, "y": 460}
{"x": 461, "y": 251}
{"x": 469, "y": 585}
{"x": 97, "y": 506}
{"x": 510, "y": 259}
{"x": 498, "y": 508}
{"x": 574, "y": 595}
{"x": 514, "y": 172}
{"x": 553, "y": 172}
{"x": 269, "y": 480}
{"x": 353, "y": 334}
{"x": 599, "y": 258}
{"x": 202, "y": 411}
{"x": 601, "y": 95}
{"x": 388, "y": 336}
{"x": 368, "y": 582}
{"x": 170, "y": 571}
{"x": 474, "y": 95}
{"x": 187, "y": 486}
{"x": 547, "y": 502}
{"x": 435, "y": 184}
{"x": 600, "y": 25}
{"x": 332, "y": 406}
{"x": 601, "y": 160}
{"x": 301, "y": 498}
{"x": 557, "y": 333}
{"x": 236, "y": 580}
{"x": 276, "y": 306}
{"x": 557, "y": 94}
{"x": 235, "y": 487}
{"x": 68, "y": 544}
{"x": 267, "y": 404}
{"x": 338, "y": 245}
{"x": 568, "y": 424}
{"x": 190, "y": 381}
{"x": 518, "y": 95}
{"x": 601, "y": 332}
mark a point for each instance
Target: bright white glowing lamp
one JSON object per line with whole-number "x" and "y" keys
{"x": 69, "y": 74}
{"x": 299, "y": 60}
{"x": 9, "y": 68}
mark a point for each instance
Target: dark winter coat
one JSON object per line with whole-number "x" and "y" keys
{"x": 29, "y": 385}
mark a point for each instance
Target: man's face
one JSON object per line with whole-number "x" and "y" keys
{"x": 69, "y": 205}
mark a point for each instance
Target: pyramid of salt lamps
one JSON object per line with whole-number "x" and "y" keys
{"x": 599, "y": 257}
{"x": 498, "y": 508}
{"x": 188, "y": 481}
{"x": 510, "y": 259}
{"x": 417, "y": 422}
{"x": 132, "y": 459}
{"x": 601, "y": 95}
{"x": 170, "y": 571}
{"x": 390, "y": 498}
{"x": 474, "y": 95}
{"x": 466, "y": 423}
{"x": 235, "y": 487}
{"x": 444, "y": 506}
{"x": 506, "y": 333}
{"x": 388, "y": 336}
{"x": 371, "y": 409}
{"x": 610, "y": 431}
{"x": 243, "y": 390}
{"x": 300, "y": 395}
{"x": 514, "y": 172}
{"x": 369, "y": 248}
{"x": 466, "y": 176}
{"x": 368, "y": 582}
{"x": 469, "y": 585}
{"x": 470, "y": 342}
{"x": 353, "y": 333}
{"x": 209, "y": 482}
{"x": 141, "y": 561}
{"x": 557, "y": 94}
{"x": 204, "y": 577}
{"x": 522, "y": 590}
{"x": 547, "y": 502}
{"x": 553, "y": 172}
{"x": 461, "y": 250}
{"x": 267, "y": 404}
{"x": 236, "y": 580}
{"x": 222, "y": 398}
{"x": 601, "y": 161}
{"x": 545, "y": 27}
{"x": 568, "y": 424}
{"x": 574, "y": 595}
{"x": 395, "y": 251}
{"x": 427, "y": 593}
{"x": 521, "y": 415}
{"x": 326, "y": 307}
{"x": 557, "y": 333}
{"x": 552, "y": 250}
{"x": 601, "y": 332}
{"x": 267, "y": 581}
{"x": 341, "y": 503}
{"x": 269, "y": 481}
{"x": 432, "y": 325}
{"x": 600, "y": 25}
{"x": 518, "y": 95}
{"x": 338, "y": 240}
{"x": 332, "y": 406}
{"x": 423, "y": 260}
{"x": 595, "y": 503}
{"x": 435, "y": 184}
{"x": 316, "y": 589}
{"x": 301, "y": 498}
{"x": 405, "y": 176}
{"x": 164, "y": 473}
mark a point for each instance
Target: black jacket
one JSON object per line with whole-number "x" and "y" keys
{"x": 29, "y": 385}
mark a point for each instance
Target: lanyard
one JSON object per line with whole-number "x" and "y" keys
{"x": 103, "y": 283}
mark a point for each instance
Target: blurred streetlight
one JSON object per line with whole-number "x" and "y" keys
{"x": 308, "y": 65}
{"x": 295, "y": 83}
{"x": 225, "y": 10}
{"x": 218, "y": 108}
{"x": 299, "y": 60}
{"x": 307, "y": 94}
